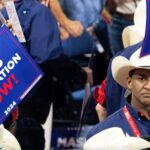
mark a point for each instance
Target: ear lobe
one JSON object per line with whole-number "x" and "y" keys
{"x": 129, "y": 83}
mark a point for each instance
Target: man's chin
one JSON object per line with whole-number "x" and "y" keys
{"x": 146, "y": 102}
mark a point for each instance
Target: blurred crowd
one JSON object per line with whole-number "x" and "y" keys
{"x": 73, "y": 42}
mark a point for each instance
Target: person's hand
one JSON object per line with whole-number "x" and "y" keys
{"x": 101, "y": 112}
{"x": 63, "y": 33}
{"x": 9, "y": 25}
{"x": 75, "y": 28}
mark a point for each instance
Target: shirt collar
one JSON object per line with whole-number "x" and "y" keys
{"x": 136, "y": 114}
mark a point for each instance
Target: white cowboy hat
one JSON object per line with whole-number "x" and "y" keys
{"x": 7, "y": 140}
{"x": 121, "y": 66}
{"x": 114, "y": 139}
{"x": 131, "y": 36}
{"x": 135, "y": 33}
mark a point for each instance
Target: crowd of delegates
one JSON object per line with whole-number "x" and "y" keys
{"x": 44, "y": 45}
{"x": 128, "y": 85}
{"x": 54, "y": 33}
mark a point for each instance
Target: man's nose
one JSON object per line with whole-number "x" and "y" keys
{"x": 147, "y": 85}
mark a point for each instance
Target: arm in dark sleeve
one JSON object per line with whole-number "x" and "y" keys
{"x": 45, "y": 47}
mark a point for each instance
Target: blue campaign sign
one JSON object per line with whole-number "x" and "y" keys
{"x": 18, "y": 72}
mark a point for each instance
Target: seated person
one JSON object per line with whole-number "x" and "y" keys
{"x": 71, "y": 21}
{"x": 134, "y": 75}
{"x": 72, "y": 32}
{"x": 110, "y": 96}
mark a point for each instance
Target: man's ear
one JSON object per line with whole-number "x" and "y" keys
{"x": 129, "y": 83}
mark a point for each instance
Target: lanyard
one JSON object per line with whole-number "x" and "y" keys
{"x": 131, "y": 122}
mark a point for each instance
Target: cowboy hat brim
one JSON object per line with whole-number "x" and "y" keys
{"x": 131, "y": 36}
{"x": 113, "y": 139}
{"x": 120, "y": 70}
{"x": 121, "y": 66}
{"x": 8, "y": 140}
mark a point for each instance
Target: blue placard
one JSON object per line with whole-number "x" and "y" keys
{"x": 18, "y": 72}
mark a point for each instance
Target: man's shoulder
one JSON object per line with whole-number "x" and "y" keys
{"x": 113, "y": 120}
{"x": 35, "y": 9}
{"x": 34, "y": 6}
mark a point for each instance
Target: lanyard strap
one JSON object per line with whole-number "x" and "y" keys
{"x": 131, "y": 122}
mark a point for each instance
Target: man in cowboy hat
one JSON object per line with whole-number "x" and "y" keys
{"x": 134, "y": 75}
{"x": 110, "y": 97}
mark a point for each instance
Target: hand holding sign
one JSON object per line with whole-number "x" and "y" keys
{"x": 15, "y": 78}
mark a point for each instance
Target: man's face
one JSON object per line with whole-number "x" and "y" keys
{"x": 139, "y": 85}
